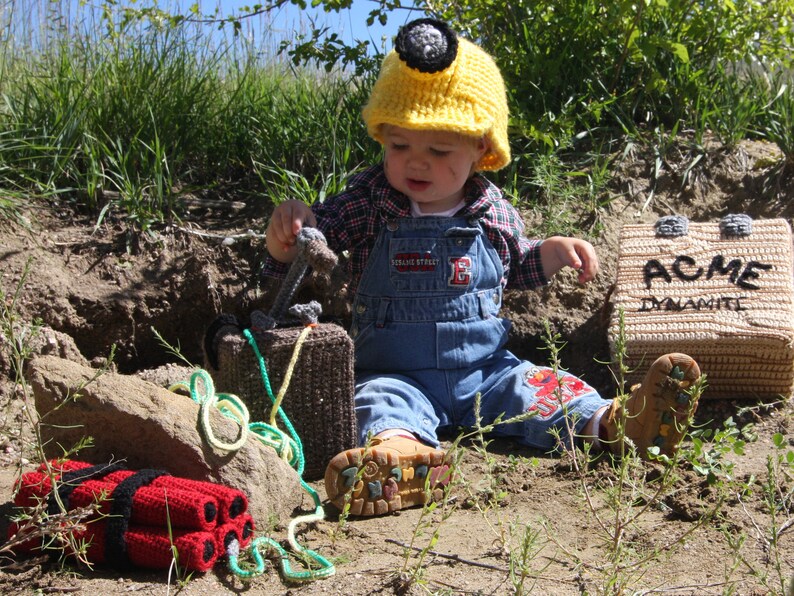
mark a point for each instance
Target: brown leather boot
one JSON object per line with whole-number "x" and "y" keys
{"x": 657, "y": 410}
{"x": 388, "y": 476}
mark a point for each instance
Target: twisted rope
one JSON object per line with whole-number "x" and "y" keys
{"x": 287, "y": 446}
{"x": 326, "y": 568}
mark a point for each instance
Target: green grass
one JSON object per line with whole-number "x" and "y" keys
{"x": 121, "y": 114}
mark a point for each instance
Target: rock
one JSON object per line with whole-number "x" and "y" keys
{"x": 147, "y": 426}
{"x": 42, "y": 341}
{"x": 166, "y": 375}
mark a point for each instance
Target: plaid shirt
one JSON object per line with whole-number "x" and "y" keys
{"x": 352, "y": 219}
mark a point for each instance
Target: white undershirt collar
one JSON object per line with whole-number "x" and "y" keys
{"x": 416, "y": 212}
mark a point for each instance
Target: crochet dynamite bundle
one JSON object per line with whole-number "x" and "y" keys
{"x": 135, "y": 509}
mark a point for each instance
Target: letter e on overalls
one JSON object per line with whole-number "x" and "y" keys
{"x": 460, "y": 271}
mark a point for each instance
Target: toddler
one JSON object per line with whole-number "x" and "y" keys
{"x": 432, "y": 245}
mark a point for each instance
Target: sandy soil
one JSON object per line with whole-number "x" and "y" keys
{"x": 515, "y": 520}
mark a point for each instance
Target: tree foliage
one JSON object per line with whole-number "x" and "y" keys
{"x": 574, "y": 65}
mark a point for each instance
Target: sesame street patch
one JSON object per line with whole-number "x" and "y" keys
{"x": 414, "y": 262}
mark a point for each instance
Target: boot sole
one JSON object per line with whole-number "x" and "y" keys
{"x": 665, "y": 386}
{"x": 382, "y": 480}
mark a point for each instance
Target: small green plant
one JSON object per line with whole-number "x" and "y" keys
{"x": 174, "y": 350}
{"x": 779, "y": 126}
{"x": 54, "y": 533}
{"x": 345, "y": 513}
{"x": 777, "y": 498}
{"x": 709, "y": 451}
{"x": 737, "y": 105}
{"x": 183, "y": 576}
{"x": 521, "y": 559}
{"x": 629, "y": 491}
{"x": 429, "y": 522}
{"x": 487, "y": 496}
{"x": 10, "y": 206}
{"x": 438, "y": 508}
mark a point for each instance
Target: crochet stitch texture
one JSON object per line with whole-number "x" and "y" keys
{"x": 434, "y": 80}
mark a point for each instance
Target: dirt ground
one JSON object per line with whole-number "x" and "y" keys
{"x": 516, "y": 520}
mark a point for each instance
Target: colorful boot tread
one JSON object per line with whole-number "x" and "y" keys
{"x": 658, "y": 409}
{"x": 390, "y": 475}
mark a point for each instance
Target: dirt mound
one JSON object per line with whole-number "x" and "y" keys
{"x": 103, "y": 287}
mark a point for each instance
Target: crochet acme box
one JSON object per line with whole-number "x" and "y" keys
{"x": 721, "y": 292}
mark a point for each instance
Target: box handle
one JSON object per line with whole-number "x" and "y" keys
{"x": 734, "y": 225}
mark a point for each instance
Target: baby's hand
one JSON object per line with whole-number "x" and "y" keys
{"x": 559, "y": 251}
{"x": 287, "y": 220}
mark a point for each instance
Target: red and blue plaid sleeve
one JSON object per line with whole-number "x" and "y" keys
{"x": 520, "y": 255}
{"x": 505, "y": 229}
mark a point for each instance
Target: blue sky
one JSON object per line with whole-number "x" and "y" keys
{"x": 349, "y": 24}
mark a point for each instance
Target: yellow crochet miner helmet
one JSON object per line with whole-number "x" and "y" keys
{"x": 433, "y": 80}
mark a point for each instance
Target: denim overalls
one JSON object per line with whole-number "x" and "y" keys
{"x": 428, "y": 338}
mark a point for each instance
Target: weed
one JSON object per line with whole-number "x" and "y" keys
{"x": 734, "y": 103}
{"x": 60, "y": 531}
{"x": 710, "y": 448}
{"x": 778, "y": 119}
{"x": 183, "y": 575}
{"x": 629, "y": 493}
{"x": 777, "y": 492}
{"x": 174, "y": 350}
{"x": 521, "y": 559}
{"x": 412, "y": 574}
{"x": 55, "y": 533}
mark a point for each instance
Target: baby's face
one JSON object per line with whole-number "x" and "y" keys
{"x": 430, "y": 166}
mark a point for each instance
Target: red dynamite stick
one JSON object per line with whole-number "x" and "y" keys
{"x": 155, "y": 506}
{"x": 231, "y": 501}
{"x": 240, "y": 529}
{"x": 32, "y": 487}
{"x": 150, "y": 547}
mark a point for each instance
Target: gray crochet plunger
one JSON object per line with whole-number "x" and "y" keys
{"x": 319, "y": 398}
{"x": 672, "y": 226}
{"x": 736, "y": 225}
{"x": 312, "y": 251}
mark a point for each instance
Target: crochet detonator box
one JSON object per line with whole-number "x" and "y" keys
{"x": 309, "y": 365}
{"x": 721, "y": 292}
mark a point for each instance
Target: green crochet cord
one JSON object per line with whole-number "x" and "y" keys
{"x": 290, "y": 448}
{"x": 326, "y": 568}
